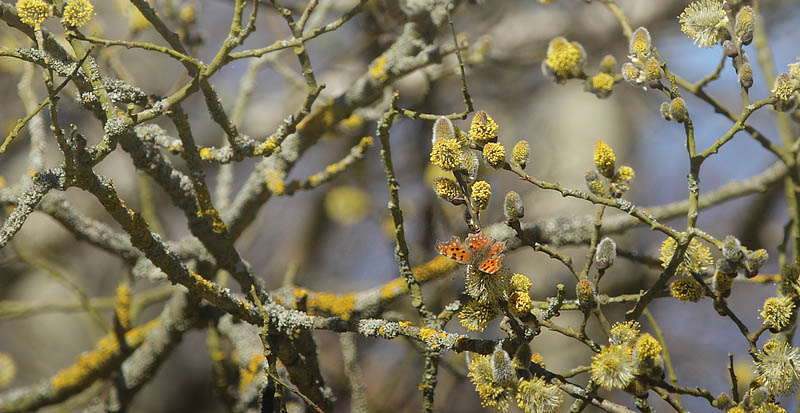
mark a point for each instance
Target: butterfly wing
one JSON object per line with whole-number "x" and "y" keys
{"x": 491, "y": 265}
{"x": 454, "y": 250}
{"x": 477, "y": 242}
{"x": 497, "y": 248}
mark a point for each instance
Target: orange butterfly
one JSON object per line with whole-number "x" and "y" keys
{"x": 484, "y": 252}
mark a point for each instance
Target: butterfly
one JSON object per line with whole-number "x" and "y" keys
{"x": 482, "y": 251}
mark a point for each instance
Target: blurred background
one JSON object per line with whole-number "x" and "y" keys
{"x": 335, "y": 238}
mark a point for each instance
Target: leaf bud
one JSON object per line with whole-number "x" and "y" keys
{"x": 608, "y": 64}
{"x": 594, "y": 183}
{"x": 502, "y": 370}
{"x": 746, "y": 75}
{"x": 513, "y": 209}
{"x": 606, "y": 253}
{"x": 665, "y": 111}
{"x": 443, "y": 129}
{"x": 730, "y": 48}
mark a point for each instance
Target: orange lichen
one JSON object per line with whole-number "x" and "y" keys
{"x": 338, "y": 305}
{"x": 103, "y": 356}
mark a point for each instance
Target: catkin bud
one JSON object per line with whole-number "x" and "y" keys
{"x": 606, "y": 253}
{"x": 502, "y": 370}
{"x": 513, "y": 209}
{"x": 665, "y": 111}
{"x": 727, "y": 267}
{"x": 732, "y": 249}
{"x": 594, "y": 184}
{"x": 523, "y": 357}
{"x": 755, "y": 261}
{"x": 730, "y": 48}
{"x": 723, "y": 283}
{"x": 783, "y": 90}
{"x": 520, "y": 153}
{"x": 608, "y": 64}
{"x": 746, "y": 75}
{"x": 745, "y": 24}
{"x": 639, "y": 47}
{"x": 443, "y": 129}
{"x": 585, "y": 292}
{"x": 678, "y": 111}
{"x": 632, "y": 74}
{"x": 470, "y": 164}
{"x": 653, "y": 69}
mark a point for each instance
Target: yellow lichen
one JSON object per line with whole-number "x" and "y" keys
{"x": 433, "y": 269}
{"x": 347, "y": 205}
{"x": 378, "y": 69}
{"x": 274, "y": 182}
{"x": 105, "y": 355}
{"x": 267, "y": 147}
{"x": 205, "y": 153}
{"x": 394, "y": 288}
{"x": 122, "y": 307}
{"x": 337, "y": 305}
{"x": 248, "y": 374}
{"x": 354, "y": 121}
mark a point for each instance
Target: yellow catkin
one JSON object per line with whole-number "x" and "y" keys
{"x": 33, "y": 12}
{"x": 78, "y": 12}
{"x": 604, "y": 159}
